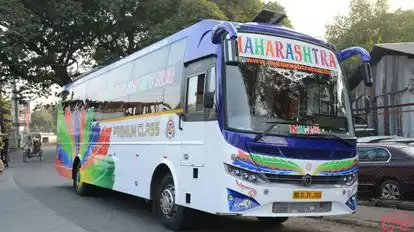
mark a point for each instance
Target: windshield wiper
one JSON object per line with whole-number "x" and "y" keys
{"x": 265, "y": 132}
{"x": 336, "y": 137}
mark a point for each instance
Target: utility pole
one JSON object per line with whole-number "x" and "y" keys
{"x": 15, "y": 115}
{"x": 2, "y": 128}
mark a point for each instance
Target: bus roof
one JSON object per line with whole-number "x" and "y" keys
{"x": 199, "y": 43}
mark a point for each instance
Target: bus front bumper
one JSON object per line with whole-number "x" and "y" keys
{"x": 289, "y": 201}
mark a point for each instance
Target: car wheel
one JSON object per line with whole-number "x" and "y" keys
{"x": 272, "y": 221}
{"x": 174, "y": 217}
{"x": 391, "y": 190}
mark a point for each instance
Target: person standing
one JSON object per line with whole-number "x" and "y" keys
{"x": 5, "y": 151}
{"x": 1, "y": 155}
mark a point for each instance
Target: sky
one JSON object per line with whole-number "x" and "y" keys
{"x": 311, "y": 16}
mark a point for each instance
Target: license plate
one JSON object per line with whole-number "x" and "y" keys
{"x": 307, "y": 195}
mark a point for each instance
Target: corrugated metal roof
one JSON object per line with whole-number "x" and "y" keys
{"x": 379, "y": 51}
{"x": 395, "y": 49}
{"x": 406, "y": 48}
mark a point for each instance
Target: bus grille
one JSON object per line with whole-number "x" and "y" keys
{"x": 297, "y": 179}
{"x": 302, "y": 207}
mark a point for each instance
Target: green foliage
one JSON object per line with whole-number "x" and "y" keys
{"x": 188, "y": 13}
{"x": 50, "y": 41}
{"x": 6, "y": 113}
{"x": 369, "y": 23}
{"x": 45, "y": 37}
{"x": 244, "y": 11}
{"x": 277, "y": 7}
{"x": 43, "y": 120}
{"x": 161, "y": 18}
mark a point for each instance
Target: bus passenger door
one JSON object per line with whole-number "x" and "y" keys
{"x": 193, "y": 121}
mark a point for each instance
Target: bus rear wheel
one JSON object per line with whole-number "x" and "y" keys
{"x": 81, "y": 188}
{"x": 174, "y": 217}
{"x": 272, "y": 221}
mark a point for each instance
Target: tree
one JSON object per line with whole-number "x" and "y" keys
{"x": 44, "y": 38}
{"x": 244, "y": 11}
{"x": 43, "y": 120}
{"x": 162, "y": 18}
{"x": 50, "y": 41}
{"x": 189, "y": 12}
{"x": 368, "y": 24}
{"x": 5, "y": 115}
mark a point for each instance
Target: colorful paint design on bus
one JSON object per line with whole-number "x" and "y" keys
{"x": 281, "y": 166}
{"x": 266, "y": 163}
{"x": 80, "y": 136}
{"x": 338, "y": 167}
{"x": 286, "y": 50}
{"x": 304, "y": 129}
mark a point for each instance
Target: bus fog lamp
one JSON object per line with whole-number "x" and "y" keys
{"x": 252, "y": 178}
{"x": 230, "y": 168}
{"x": 242, "y": 173}
{"x": 237, "y": 172}
{"x": 350, "y": 179}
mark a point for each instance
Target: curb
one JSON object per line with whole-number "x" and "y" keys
{"x": 355, "y": 222}
{"x": 402, "y": 205}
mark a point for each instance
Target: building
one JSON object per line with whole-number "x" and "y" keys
{"x": 24, "y": 116}
{"x": 392, "y": 94}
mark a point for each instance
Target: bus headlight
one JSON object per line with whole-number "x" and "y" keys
{"x": 349, "y": 179}
{"x": 242, "y": 173}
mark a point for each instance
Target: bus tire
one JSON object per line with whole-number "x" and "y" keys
{"x": 173, "y": 217}
{"x": 81, "y": 188}
{"x": 272, "y": 221}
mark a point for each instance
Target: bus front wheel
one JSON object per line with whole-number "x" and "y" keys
{"x": 272, "y": 221}
{"x": 173, "y": 217}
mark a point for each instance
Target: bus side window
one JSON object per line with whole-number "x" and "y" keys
{"x": 195, "y": 94}
{"x": 211, "y": 88}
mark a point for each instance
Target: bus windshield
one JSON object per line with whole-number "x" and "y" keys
{"x": 299, "y": 97}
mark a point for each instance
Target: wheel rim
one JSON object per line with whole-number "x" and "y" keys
{"x": 78, "y": 180}
{"x": 167, "y": 201}
{"x": 390, "y": 191}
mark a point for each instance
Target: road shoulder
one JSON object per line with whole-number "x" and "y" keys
{"x": 21, "y": 212}
{"x": 367, "y": 216}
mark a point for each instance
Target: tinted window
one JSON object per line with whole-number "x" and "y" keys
{"x": 156, "y": 82}
{"x": 211, "y": 87}
{"x": 117, "y": 81}
{"x": 172, "y": 90}
{"x": 195, "y": 93}
{"x": 373, "y": 155}
{"x": 149, "y": 84}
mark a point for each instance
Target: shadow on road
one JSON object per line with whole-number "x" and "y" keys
{"x": 108, "y": 202}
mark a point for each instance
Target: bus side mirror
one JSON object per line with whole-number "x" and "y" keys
{"x": 231, "y": 52}
{"x": 366, "y": 73}
{"x": 209, "y": 100}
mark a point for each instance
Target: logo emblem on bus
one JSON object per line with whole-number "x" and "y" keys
{"x": 307, "y": 180}
{"x": 170, "y": 130}
{"x": 308, "y": 166}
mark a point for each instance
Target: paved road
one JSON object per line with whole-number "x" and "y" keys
{"x": 34, "y": 199}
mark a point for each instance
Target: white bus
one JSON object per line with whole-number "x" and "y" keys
{"x": 227, "y": 118}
